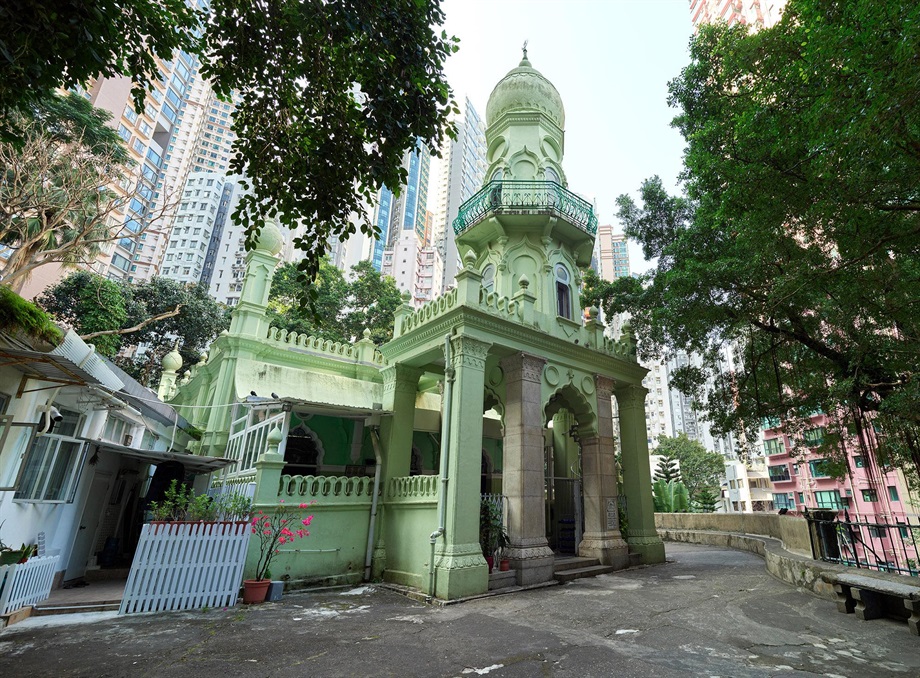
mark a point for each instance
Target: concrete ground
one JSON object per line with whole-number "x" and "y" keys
{"x": 710, "y": 612}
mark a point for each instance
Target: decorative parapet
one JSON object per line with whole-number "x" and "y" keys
{"x": 361, "y": 351}
{"x": 501, "y": 306}
{"x": 429, "y": 311}
{"x": 413, "y": 489}
{"x": 503, "y": 196}
{"x": 324, "y": 489}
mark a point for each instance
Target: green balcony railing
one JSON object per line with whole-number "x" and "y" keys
{"x": 503, "y": 196}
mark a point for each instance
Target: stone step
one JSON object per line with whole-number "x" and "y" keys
{"x": 501, "y": 580}
{"x": 46, "y": 610}
{"x": 582, "y": 572}
{"x": 573, "y": 563}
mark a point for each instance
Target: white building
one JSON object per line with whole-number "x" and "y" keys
{"x": 460, "y": 173}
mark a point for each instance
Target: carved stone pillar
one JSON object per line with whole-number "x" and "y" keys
{"x": 522, "y": 469}
{"x": 460, "y": 568}
{"x": 602, "y": 538}
{"x": 637, "y": 476}
{"x": 400, "y": 385}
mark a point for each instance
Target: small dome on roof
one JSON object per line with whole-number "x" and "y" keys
{"x": 270, "y": 238}
{"x": 525, "y": 89}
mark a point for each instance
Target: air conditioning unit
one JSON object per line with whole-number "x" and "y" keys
{"x": 128, "y": 440}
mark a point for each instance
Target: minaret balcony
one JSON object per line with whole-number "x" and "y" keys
{"x": 510, "y": 197}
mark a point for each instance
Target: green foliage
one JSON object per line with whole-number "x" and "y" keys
{"x": 52, "y": 209}
{"x": 49, "y": 46}
{"x": 667, "y": 468}
{"x": 700, "y": 469}
{"x": 705, "y": 501}
{"x": 342, "y": 310}
{"x": 357, "y": 82}
{"x": 492, "y": 534}
{"x": 670, "y": 496}
{"x": 181, "y": 503}
{"x": 16, "y": 312}
{"x": 89, "y": 303}
{"x": 795, "y": 239}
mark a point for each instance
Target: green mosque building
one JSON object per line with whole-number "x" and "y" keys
{"x": 502, "y": 388}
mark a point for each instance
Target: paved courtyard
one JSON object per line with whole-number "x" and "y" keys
{"x": 709, "y": 612}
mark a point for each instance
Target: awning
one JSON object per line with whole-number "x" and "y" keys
{"x": 193, "y": 463}
{"x": 47, "y": 367}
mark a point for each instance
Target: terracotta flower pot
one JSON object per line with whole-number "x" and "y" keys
{"x": 490, "y": 561}
{"x": 504, "y": 565}
{"x": 254, "y": 590}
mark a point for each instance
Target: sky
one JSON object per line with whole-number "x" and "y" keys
{"x": 611, "y": 61}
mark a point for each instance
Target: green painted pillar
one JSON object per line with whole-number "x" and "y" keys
{"x": 637, "y": 476}
{"x": 523, "y": 474}
{"x": 461, "y": 569}
{"x": 400, "y": 387}
{"x": 602, "y": 538}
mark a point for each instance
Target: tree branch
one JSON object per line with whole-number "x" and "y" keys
{"x": 136, "y": 328}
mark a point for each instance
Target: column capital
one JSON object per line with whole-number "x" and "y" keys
{"x": 469, "y": 352}
{"x": 603, "y": 386}
{"x": 523, "y": 366}
{"x": 630, "y": 396}
{"x": 400, "y": 378}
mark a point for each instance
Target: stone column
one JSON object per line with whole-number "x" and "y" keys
{"x": 637, "y": 476}
{"x": 522, "y": 469}
{"x": 602, "y": 538}
{"x": 400, "y": 386}
{"x": 461, "y": 568}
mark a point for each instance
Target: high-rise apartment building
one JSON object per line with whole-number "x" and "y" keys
{"x": 751, "y": 12}
{"x": 611, "y": 254}
{"x": 461, "y": 173}
{"x": 415, "y": 268}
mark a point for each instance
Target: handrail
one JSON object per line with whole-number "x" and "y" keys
{"x": 503, "y": 195}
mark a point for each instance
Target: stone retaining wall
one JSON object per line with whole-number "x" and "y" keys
{"x": 792, "y": 531}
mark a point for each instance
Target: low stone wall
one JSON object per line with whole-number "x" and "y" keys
{"x": 782, "y": 541}
{"x": 791, "y": 531}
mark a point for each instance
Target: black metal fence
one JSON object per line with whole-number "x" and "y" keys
{"x": 874, "y": 543}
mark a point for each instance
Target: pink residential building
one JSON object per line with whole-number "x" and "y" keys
{"x": 869, "y": 494}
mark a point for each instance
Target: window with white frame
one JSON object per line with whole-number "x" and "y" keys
{"x": 51, "y": 467}
{"x": 116, "y": 429}
{"x": 563, "y": 292}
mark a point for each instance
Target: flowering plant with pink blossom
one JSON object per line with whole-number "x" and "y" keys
{"x": 276, "y": 528}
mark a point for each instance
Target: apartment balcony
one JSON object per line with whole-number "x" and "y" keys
{"x": 508, "y": 197}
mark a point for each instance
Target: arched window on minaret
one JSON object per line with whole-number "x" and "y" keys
{"x": 563, "y": 292}
{"x": 550, "y": 175}
{"x": 488, "y": 278}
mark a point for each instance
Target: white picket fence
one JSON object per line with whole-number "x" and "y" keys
{"x": 26, "y": 583}
{"x": 184, "y": 566}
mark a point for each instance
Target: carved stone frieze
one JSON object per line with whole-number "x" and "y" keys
{"x": 470, "y": 352}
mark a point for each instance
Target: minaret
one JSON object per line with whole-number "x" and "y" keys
{"x": 172, "y": 363}
{"x": 525, "y": 221}
{"x": 248, "y": 318}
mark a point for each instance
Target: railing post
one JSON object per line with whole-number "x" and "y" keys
{"x": 268, "y": 470}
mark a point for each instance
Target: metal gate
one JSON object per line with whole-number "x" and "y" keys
{"x": 565, "y": 514}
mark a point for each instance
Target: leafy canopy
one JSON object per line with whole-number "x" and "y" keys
{"x": 700, "y": 469}
{"x": 151, "y": 314}
{"x": 794, "y": 243}
{"x": 343, "y": 309}
{"x": 52, "y": 209}
{"x": 329, "y": 95}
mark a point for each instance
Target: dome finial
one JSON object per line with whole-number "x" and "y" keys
{"x": 524, "y": 61}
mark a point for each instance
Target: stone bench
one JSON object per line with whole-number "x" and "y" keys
{"x": 872, "y": 597}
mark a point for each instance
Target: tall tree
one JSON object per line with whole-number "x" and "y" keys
{"x": 55, "y": 204}
{"x": 122, "y": 318}
{"x": 795, "y": 241}
{"x": 330, "y": 94}
{"x": 667, "y": 469}
{"x": 372, "y": 303}
{"x": 342, "y": 310}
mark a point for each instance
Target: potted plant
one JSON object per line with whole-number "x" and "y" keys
{"x": 492, "y": 535}
{"x": 273, "y": 529}
{"x": 11, "y": 556}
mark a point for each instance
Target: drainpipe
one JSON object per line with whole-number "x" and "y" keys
{"x": 445, "y": 452}
{"x": 369, "y": 555}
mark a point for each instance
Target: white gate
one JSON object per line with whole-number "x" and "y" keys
{"x": 183, "y": 566}
{"x": 26, "y": 583}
